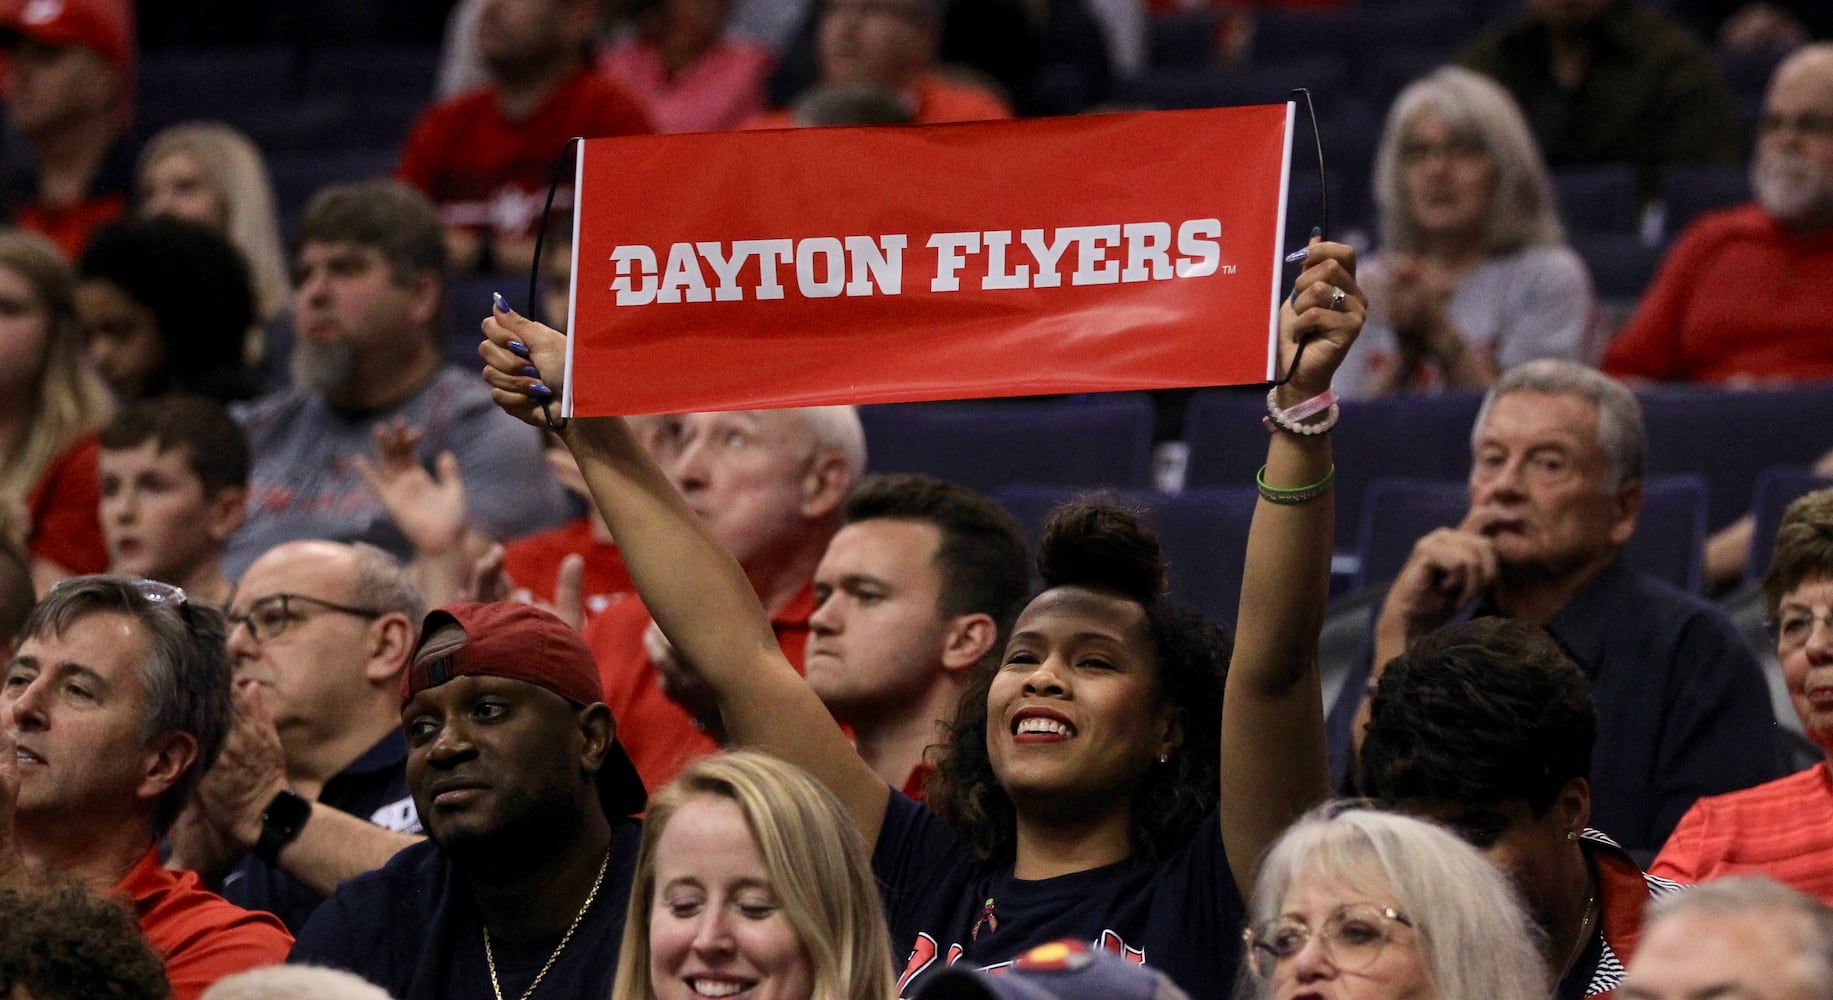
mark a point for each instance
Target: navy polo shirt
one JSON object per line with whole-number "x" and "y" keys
{"x": 373, "y": 787}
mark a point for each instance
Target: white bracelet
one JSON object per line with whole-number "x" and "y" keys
{"x": 1289, "y": 419}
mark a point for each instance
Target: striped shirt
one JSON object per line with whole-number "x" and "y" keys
{"x": 1782, "y": 829}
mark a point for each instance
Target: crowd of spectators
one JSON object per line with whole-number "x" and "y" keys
{"x": 333, "y": 668}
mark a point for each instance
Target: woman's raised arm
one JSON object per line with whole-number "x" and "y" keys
{"x": 692, "y": 586}
{"x": 1273, "y": 761}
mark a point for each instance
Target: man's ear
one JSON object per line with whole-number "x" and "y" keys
{"x": 1628, "y": 499}
{"x": 428, "y": 298}
{"x": 168, "y": 756}
{"x": 391, "y": 644}
{"x": 597, "y": 731}
{"x": 824, "y": 485}
{"x": 970, "y": 637}
{"x": 228, "y": 509}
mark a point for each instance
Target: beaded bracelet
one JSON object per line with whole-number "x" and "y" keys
{"x": 1300, "y": 494}
{"x": 1289, "y": 419}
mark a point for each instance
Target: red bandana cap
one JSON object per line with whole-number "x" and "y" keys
{"x": 509, "y": 639}
{"x": 107, "y": 26}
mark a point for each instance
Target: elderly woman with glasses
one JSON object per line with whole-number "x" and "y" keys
{"x": 1356, "y": 904}
{"x": 1783, "y": 829}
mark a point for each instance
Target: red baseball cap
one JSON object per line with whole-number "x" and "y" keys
{"x": 106, "y": 26}
{"x": 524, "y": 643}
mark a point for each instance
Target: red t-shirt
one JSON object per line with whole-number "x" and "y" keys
{"x": 1782, "y": 829}
{"x": 69, "y": 226}
{"x": 533, "y": 561}
{"x": 485, "y": 171}
{"x": 659, "y": 735}
{"x": 202, "y": 936}
{"x": 938, "y": 100}
{"x": 1738, "y": 299}
{"x": 65, "y": 508}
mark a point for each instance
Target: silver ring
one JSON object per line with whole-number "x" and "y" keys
{"x": 1337, "y": 298}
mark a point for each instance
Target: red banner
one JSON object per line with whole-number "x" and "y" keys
{"x": 873, "y": 265}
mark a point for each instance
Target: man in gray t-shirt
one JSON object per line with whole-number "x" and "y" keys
{"x": 369, "y": 277}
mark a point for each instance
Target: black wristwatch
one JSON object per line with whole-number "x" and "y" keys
{"x": 281, "y": 821}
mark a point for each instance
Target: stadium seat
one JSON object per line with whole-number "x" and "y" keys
{"x": 1777, "y": 487}
{"x": 1687, "y": 191}
{"x": 1396, "y": 512}
{"x": 1098, "y": 441}
{"x": 1731, "y": 436}
{"x": 1203, "y": 531}
{"x": 1598, "y": 199}
{"x": 1421, "y": 437}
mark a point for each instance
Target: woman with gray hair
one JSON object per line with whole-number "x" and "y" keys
{"x": 1473, "y": 276}
{"x": 1364, "y": 905}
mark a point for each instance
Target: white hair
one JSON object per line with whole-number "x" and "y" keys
{"x": 294, "y": 982}
{"x": 1759, "y": 896}
{"x": 837, "y": 429}
{"x": 1474, "y": 936}
{"x": 1475, "y": 108}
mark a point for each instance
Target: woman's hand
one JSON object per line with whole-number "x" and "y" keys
{"x": 520, "y": 382}
{"x": 1317, "y": 317}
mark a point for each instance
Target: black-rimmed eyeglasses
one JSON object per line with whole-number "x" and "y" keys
{"x": 274, "y": 614}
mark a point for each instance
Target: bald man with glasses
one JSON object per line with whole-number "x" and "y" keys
{"x": 311, "y": 788}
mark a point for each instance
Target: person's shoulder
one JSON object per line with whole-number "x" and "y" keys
{"x": 1746, "y": 221}
{"x": 458, "y": 107}
{"x": 1653, "y": 32}
{"x": 946, "y": 100}
{"x": 452, "y": 394}
{"x": 1556, "y": 256}
{"x": 617, "y": 627}
{"x": 192, "y": 925}
{"x": 1746, "y": 804}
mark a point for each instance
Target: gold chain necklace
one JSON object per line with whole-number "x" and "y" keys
{"x": 1584, "y": 931}
{"x": 490, "y": 959}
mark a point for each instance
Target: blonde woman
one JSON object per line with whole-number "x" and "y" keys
{"x": 752, "y": 878}
{"x": 213, "y": 175}
{"x": 51, "y": 404}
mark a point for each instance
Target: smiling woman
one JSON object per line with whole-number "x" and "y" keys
{"x": 752, "y": 879}
{"x": 1093, "y": 791}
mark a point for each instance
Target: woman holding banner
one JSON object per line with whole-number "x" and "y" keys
{"x": 1473, "y": 276}
{"x": 1099, "y": 787}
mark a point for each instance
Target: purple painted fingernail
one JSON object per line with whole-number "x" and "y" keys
{"x": 518, "y": 349}
{"x": 500, "y": 302}
{"x": 531, "y": 371}
{"x": 540, "y": 391}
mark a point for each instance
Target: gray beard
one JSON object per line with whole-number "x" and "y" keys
{"x": 326, "y": 369}
{"x": 1792, "y": 189}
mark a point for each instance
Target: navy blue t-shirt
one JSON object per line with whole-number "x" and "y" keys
{"x": 373, "y": 787}
{"x": 412, "y": 928}
{"x": 1181, "y": 916}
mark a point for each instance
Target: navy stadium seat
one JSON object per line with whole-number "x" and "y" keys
{"x": 1096, "y": 441}
{"x": 1203, "y": 533}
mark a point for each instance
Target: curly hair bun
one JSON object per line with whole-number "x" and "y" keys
{"x": 1097, "y": 544}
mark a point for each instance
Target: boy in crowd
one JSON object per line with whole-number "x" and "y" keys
{"x": 174, "y": 475}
